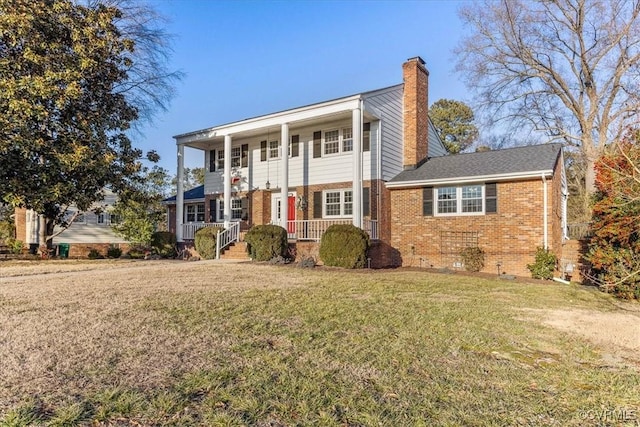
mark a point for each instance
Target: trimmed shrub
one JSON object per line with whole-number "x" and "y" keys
{"x": 265, "y": 242}
{"x": 94, "y": 254}
{"x": 344, "y": 246}
{"x": 164, "y": 243}
{"x": 114, "y": 252}
{"x": 473, "y": 258}
{"x": 206, "y": 241}
{"x": 544, "y": 265}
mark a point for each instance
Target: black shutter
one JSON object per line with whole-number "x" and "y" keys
{"x": 366, "y": 137}
{"x": 245, "y": 208}
{"x": 212, "y": 210}
{"x": 317, "y": 144}
{"x": 366, "y": 205}
{"x": 295, "y": 145}
{"x": 212, "y": 160}
{"x": 317, "y": 204}
{"x": 427, "y": 201}
{"x": 491, "y": 198}
{"x": 263, "y": 151}
{"x": 244, "y": 159}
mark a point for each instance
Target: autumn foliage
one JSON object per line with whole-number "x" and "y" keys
{"x": 615, "y": 246}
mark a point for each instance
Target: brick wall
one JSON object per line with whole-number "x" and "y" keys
{"x": 20, "y": 221}
{"x": 415, "y": 104}
{"x": 509, "y": 237}
{"x": 81, "y": 250}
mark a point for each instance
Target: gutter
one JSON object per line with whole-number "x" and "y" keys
{"x": 467, "y": 179}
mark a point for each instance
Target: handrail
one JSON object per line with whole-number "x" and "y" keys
{"x": 227, "y": 236}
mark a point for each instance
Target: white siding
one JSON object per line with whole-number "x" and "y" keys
{"x": 303, "y": 169}
{"x": 388, "y": 103}
{"x": 436, "y": 147}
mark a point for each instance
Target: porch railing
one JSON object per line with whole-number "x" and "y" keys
{"x": 226, "y": 237}
{"x": 189, "y": 230}
{"x": 300, "y": 229}
{"x": 313, "y": 229}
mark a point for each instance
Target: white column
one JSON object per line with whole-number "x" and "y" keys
{"x": 284, "y": 187}
{"x": 180, "y": 194}
{"x": 227, "y": 181}
{"x": 357, "y": 167}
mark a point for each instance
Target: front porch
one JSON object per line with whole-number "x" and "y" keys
{"x": 303, "y": 230}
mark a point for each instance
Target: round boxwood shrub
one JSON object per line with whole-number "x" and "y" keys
{"x": 344, "y": 246}
{"x": 265, "y": 242}
{"x": 544, "y": 265}
{"x": 206, "y": 241}
{"x": 164, "y": 243}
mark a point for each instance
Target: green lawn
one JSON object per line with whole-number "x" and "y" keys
{"x": 171, "y": 343}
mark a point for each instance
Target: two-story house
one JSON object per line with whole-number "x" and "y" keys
{"x": 348, "y": 160}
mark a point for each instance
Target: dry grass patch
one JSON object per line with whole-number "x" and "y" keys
{"x": 173, "y": 343}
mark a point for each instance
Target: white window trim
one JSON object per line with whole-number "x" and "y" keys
{"x": 340, "y": 141}
{"x": 269, "y": 156}
{"x": 220, "y": 209}
{"x": 195, "y": 213}
{"x": 342, "y": 192}
{"x": 459, "y": 200}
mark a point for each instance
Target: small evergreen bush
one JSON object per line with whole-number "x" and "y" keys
{"x": 473, "y": 258}
{"x": 94, "y": 254}
{"x": 265, "y": 242}
{"x": 114, "y": 252}
{"x": 344, "y": 245}
{"x": 137, "y": 251}
{"x": 206, "y": 240}
{"x": 544, "y": 265}
{"x": 164, "y": 243}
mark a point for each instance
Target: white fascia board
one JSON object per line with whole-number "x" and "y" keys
{"x": 276, "y": 119}
{"x": 186, "y": 201}
{"x": 469, "y": 179}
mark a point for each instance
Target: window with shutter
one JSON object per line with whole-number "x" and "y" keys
{"x": 491, "y": 197}
{"x": 427, "y": 201}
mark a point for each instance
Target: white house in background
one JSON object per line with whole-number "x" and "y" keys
{"x": 88, "y": 228}
{"x": 312, "y": 166}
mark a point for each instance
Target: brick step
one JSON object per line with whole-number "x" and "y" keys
{"x": 235, "y": 251}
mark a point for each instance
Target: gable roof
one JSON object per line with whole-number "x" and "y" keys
{"x": 196, "y": 193}
{"x": 511, "y": 163}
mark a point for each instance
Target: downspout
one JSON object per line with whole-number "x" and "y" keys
{"x": 544, "y": 214}
{"x": 379, "y": 172}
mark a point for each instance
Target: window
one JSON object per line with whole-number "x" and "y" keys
{"x": 331, "y": 142}
{"x": 236, "y": 209}
{"x": 220, "y": 159}
{"x": 347, "y": 139}
{"x": 101, "y": 218}
{"x": 274, "y": 150}
{"x": 114, "y": 219}
{"x": 236, "y": 155}
{"x": 338, "y": 203}
{"x": 195, "y": 213}
{"x": 467, "y": 199}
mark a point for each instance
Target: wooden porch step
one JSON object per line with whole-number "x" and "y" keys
{"x": 237, "y": 251}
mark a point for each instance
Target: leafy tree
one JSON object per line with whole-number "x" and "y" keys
{"x": 139, "y": 209}
{"x": 453, "y": 121}
{"x": 192, "y": 178}
{"x": 568, "y": 68}
{"x": 615, "y": 246}
{"x": 69, "y": 92}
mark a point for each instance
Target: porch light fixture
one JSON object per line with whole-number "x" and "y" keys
{"x": 267, "y": 185}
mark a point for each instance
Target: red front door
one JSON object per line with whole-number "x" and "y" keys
{"x": 291, "y": 213}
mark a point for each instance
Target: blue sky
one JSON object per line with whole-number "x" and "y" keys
{"x": 247, "y": 58}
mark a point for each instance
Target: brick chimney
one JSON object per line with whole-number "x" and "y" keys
{"x": 416, "y": 120}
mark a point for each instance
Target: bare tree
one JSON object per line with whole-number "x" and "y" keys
{"x": 567, "y": 68}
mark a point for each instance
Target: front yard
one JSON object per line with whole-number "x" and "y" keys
{"x": 207, "y": 343}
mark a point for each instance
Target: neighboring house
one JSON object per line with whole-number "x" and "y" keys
{"x": 357, "y": 159}
{"x": 89, "y": 229}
